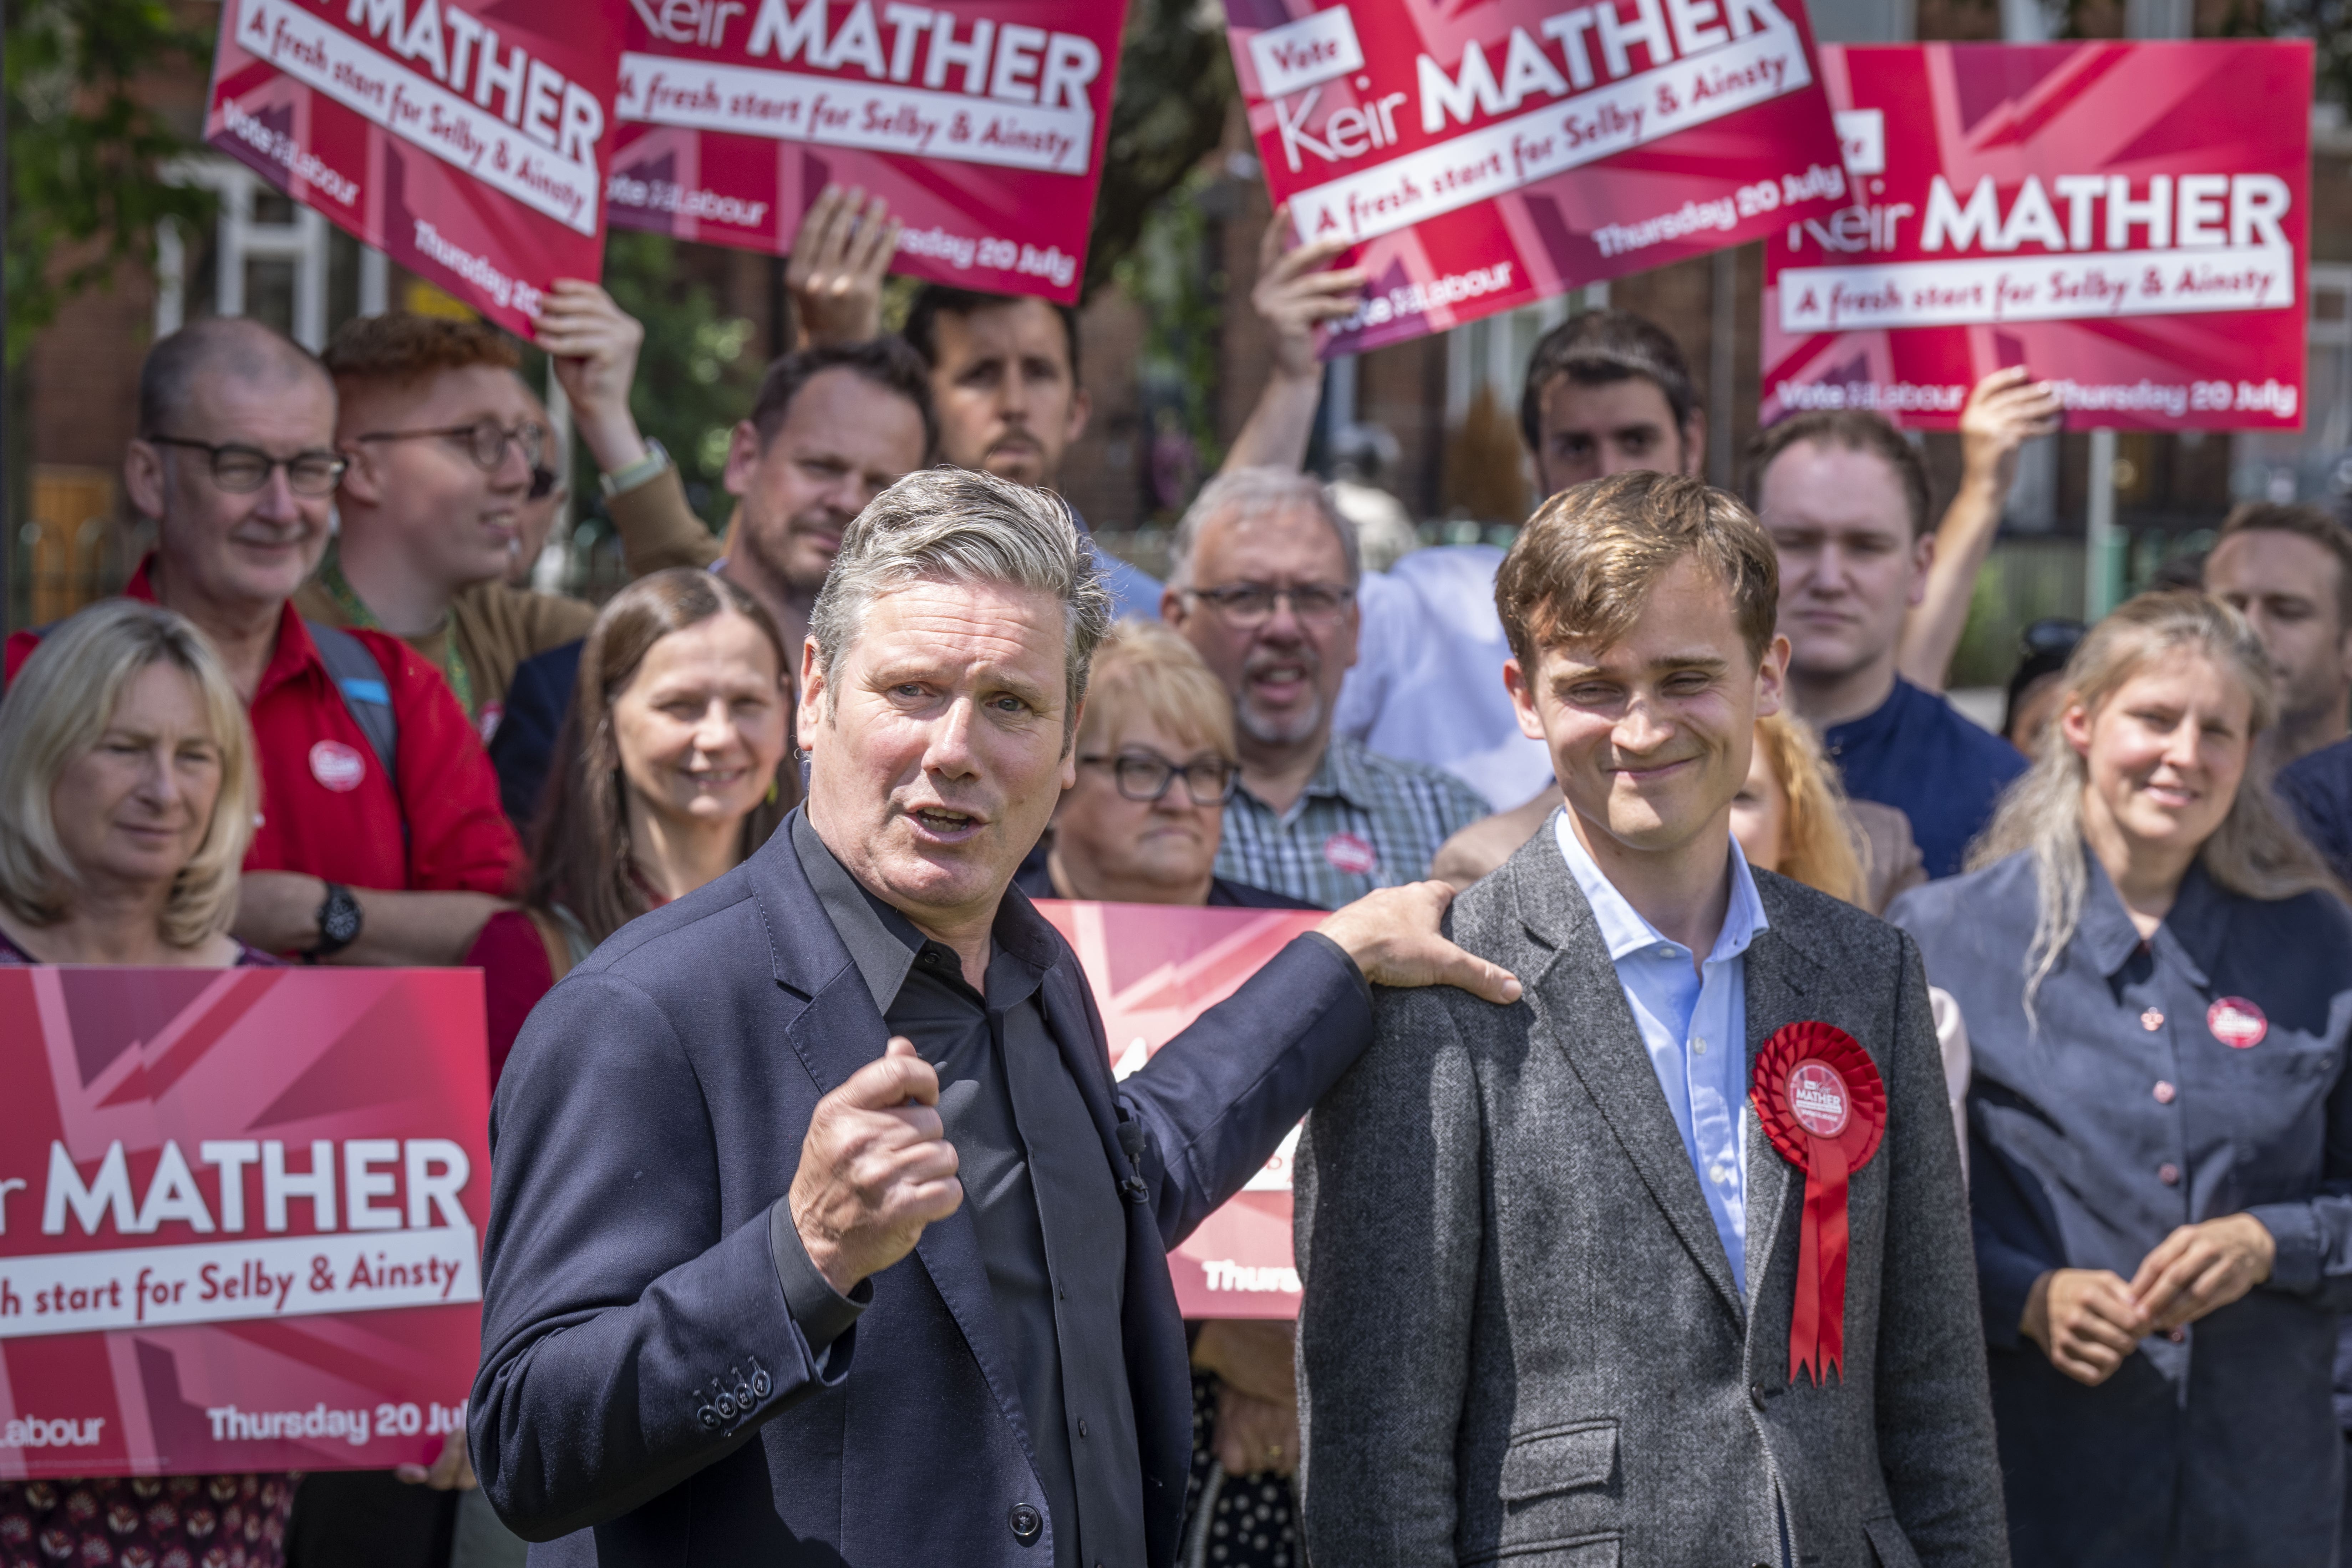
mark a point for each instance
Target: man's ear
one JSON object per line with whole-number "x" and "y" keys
{"x": 143, "y": 481}
{"x": 1772, "y": 677}
{"x": 1082, "y": 408}
{"x": 1069, "y": 770}
{"x": 1923, "y": 565}
{"x": 1517, "y": 682}
{"x": 1695, "y": 443}
{"x": 362, "y": 479}
{"x": 810, "y": 712}
{"x": 744, "y": 450}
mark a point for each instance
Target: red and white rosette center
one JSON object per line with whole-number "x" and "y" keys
{"x": 1818, "y": 1099}
{"x": 1823, "y": 1105}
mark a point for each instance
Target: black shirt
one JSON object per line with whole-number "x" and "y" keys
{"x": 1039, "y": 1187}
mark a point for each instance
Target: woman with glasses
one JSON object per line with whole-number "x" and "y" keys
{"x": 1156, "y": 764}
{"x": 2156, "y": 972}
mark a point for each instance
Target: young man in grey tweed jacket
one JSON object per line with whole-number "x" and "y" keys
{"x": 1552, "y": 1256}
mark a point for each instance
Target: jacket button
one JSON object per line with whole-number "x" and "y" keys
{"x": 708, "y": 1417}
{"x": 1756, "y": 1393}
{"x": 1027, "y": 1523}
{"x": 2168, "y": 1173}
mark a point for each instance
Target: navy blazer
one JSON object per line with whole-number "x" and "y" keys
{"x": 654, "y": 1109}
{"x": 522, "y": 748}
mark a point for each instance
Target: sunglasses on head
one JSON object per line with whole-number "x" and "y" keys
{"x": 2051, "y": 635}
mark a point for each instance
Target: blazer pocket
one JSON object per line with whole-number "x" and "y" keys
{"x": 1559, "y": 1460}
{"x": 1887, "y": 1541}
{"x": 1576, "y": 1552}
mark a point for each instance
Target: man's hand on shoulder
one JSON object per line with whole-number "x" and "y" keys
{"x": 875, "y": 1168}
{"x": 1392, "y": 936}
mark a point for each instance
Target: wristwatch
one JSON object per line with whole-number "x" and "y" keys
{"x": 338, "y": 923}
{"x": 645, "y": 468}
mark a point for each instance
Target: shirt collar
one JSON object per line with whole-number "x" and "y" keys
{"x": 883, "y": 943}
{"x": 2190, "y": 931}
{"x": 1622, "y": 926}
{"x": 294, "y": 653}
{"x": 1873, "y": 724}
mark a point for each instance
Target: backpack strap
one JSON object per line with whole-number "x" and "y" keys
{"x": 359, "y": 678}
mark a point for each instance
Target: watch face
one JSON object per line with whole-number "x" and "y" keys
{"x": 341, "y": 922}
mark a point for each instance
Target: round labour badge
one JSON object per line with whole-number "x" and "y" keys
{"x": 1347, "y": 852}
{"x": 2237, "y": 1023}
{"x": 337, "y": 766}
{"x": 1817, "y": 1099}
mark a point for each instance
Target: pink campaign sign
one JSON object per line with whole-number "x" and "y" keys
{"x": 1486, "y": 153}
{"x": 1154, "y": 968}
{"x": 239, "y": 1217}
{"x": 2127, "y": 220}
{"x": 467, "y": 142}
{"x": 982, "y": 122}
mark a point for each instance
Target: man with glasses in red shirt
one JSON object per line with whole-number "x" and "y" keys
{"x": 381, "y": 840}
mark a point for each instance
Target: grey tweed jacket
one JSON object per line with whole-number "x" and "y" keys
{"x": 1520, "y": 1339}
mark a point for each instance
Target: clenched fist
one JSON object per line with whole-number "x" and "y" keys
{"x": 875, "y": 1168}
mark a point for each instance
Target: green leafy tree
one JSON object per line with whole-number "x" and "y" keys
{"x": 1175, "y": 89}
{"x": 87, "y": 149}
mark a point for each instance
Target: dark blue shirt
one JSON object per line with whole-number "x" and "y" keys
{"x": 2318, "y": 790}
{"x": 2160, "y": 1083}
{"x": 1929, "y": 762}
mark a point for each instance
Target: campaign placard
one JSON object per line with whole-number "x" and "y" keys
{"x": 982, "y": 122}
{"x": 2127, "y": 220}
{"x": 239, "y": 1217}
{"x": 1154, "y": 968}
{"x": 467, "y": 145}
{"x": 1483, "y": 156}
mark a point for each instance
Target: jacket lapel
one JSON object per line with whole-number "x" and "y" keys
{"x": 839, "y": 1031}
{"x": 1581, "y": 1006}
{"x": 1776, "y": 973}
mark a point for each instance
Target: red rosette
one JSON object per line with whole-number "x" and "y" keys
{"x": 1823, "y": 1105}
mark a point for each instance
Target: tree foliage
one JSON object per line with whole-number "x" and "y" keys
{"x": 1175, "y": 88}
{"x": 86, "y": 151}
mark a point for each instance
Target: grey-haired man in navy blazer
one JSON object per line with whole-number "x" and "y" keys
{"x": 718, "y": 1141}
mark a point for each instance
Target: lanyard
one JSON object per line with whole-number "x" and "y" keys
{"x": 355, "y": 610}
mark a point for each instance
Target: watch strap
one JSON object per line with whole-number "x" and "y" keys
{"x": 643, "y": 471}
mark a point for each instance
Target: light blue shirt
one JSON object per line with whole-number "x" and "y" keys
{"x": 1694, "y": 1023}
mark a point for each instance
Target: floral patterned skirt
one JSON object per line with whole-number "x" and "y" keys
{"x": 146, "y": 1522}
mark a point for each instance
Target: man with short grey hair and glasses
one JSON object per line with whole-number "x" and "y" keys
{"x": 719, "y": 1140}
{"x": 1264, "y": 584}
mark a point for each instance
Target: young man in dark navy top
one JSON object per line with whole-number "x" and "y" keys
{"x": 1845, "y": 499}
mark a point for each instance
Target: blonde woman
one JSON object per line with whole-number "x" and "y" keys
{"x": 127, "y": 795}
{"x": 127, "y": 791}
{"x": 2156, "y": 975}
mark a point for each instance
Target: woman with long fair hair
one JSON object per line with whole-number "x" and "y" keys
{"x": 127, "y": 795}
{"x": 2156, "y": 975}
{"x": 675, "y": 771}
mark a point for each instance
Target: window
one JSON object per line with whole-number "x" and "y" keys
{"x": 2314, "y": 463}
{"x": 267, "y": 258}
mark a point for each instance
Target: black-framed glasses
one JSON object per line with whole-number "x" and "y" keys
{"x": 1252, "y": 603}
{"x": 484, "y": 440}
{"x": 241, "y": 470}
{"x": 1146, "y": 776}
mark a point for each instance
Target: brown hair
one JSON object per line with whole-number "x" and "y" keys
{"x": 1825, "y": 848}
{"x": 1855, "y": 431}
{"x": 1584, "y": 565}
{"x": 581, "y": 854}
{"x": 400, "y": 347}
{"x": 1595, "y": 348}
{"x": 2303, "y": 521}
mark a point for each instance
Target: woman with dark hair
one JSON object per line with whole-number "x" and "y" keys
{"x": 676, "y": 745}
{"x": 2156, "y": 974}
